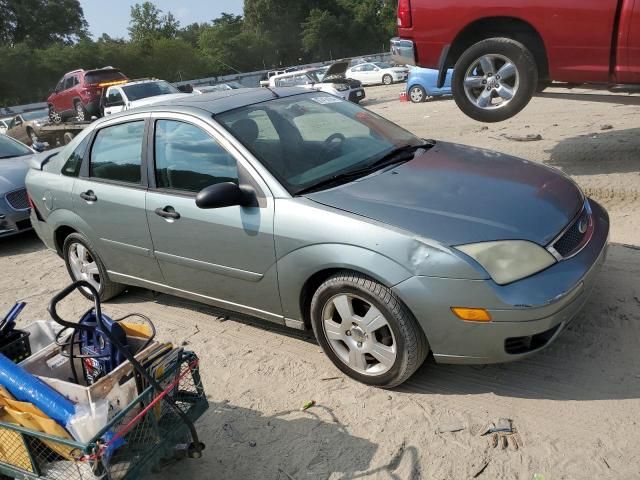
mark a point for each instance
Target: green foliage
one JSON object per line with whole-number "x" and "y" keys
{"x": 148, "y": 23}
{"x": 40, "y": 40}
{"x": 39, "y": 22}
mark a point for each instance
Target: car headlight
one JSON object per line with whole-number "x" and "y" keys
{"x": 510, "y": 260}
{"x": 341, "y": 87}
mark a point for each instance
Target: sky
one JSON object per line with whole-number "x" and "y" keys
{"x": 113, "y": 17}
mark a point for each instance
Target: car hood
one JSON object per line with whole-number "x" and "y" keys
{"x": 13, "y": 172}
{"x": 338, "y": 69}
{"x": 456, "y": 195}
{"x": 159, "y": 98}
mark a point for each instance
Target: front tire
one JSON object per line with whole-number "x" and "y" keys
{"x": 83, "y": 263}
{"x": 366, "y": 330}
{"x": 81, "y": 113}
{"x": 494, "y": 79}
{"x": 387, "y": 79}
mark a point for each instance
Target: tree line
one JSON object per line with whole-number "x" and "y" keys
{"x": 40, "y": 40}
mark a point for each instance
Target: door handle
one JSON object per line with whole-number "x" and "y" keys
{"x": 168, "y": 212}
{"x": 89, "y": 196}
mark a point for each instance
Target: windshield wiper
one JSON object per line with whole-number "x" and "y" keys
{"x": 397, "y": 155}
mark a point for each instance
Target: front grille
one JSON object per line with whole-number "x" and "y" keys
{"x": 573, "y": 238}
{"x": 18, "y": 199}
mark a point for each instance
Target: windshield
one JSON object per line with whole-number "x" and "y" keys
{"x": 148, "y": 89}
{"x": 36, "y": 114}
{"x": 9, "y": 148}
{"x": 307, "y": 139}
{"x": 382, "y": 65}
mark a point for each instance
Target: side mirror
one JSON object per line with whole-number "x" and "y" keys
{"x": 39, "y": 146}
{"x": 222, "y": 195}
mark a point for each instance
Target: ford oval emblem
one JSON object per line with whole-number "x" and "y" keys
{"x": 583, "y": 225}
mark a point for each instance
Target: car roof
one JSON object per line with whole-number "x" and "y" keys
{"x": 213, "y": 103}
{"x": 219, "y": 102}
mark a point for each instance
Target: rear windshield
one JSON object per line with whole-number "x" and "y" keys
{"x": 104, "y": 76}
{"x": 148, "y": 89}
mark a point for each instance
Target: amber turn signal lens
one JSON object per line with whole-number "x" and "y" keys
{"x": 471, "y": 314}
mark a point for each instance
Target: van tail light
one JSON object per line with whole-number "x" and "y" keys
{"x": 404, "y": 14}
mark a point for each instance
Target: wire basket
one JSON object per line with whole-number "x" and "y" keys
{"x": 135, "y": 440}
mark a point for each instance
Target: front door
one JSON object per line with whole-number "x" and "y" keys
{"x": 223, "y": 256}
{"x": 109, "y": 196}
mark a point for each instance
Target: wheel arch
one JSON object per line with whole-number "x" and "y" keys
{"x": 301, "y": 272}
{"x": 60, "y": 234}
{"x": 509, "y": 27}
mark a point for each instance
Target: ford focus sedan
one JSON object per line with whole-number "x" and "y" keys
{"x": 309, "y": 211}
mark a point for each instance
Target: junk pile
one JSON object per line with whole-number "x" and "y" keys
{"x": 97, "y": 398}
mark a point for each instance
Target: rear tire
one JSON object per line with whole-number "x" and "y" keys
{"x": 83, "y": 263}
{"x": 366, "y": 330}
{"x": 54, "y": 116}
{"x": 417, "y": 94}
{"x": 494, "y": 96}
{"x": 387, "y": 79}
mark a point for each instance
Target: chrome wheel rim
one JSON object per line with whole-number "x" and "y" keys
{"x": 416, "y": 95}
{"x": 54, "y": 116}
{"x": 79, "y": 112}
{"x": 491, "y": 82}
{"x": 83, "y": 265}
{"x": 359, "y": 334}
{"x": 387, "y": 80}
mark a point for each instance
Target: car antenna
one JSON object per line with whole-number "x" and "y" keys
{"x": 273, "y": 92}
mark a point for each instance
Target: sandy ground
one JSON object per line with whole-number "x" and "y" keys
{"x": 576, "y": 405}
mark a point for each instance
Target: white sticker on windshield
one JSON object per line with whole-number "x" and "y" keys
{"x": 325, "y": 100}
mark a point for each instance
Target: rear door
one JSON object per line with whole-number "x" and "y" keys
{"x": 225, "y": 256}
{"x": 109, "y": 197}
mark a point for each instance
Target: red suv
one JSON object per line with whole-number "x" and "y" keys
{"x": 78, "y": 93}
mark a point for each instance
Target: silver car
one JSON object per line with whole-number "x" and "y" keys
{"x": 14, "y": 207}
{"x": 309, "y": 211}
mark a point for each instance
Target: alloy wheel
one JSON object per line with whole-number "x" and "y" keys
{"x": 416, "y": 94}
{"x": 359, "y": 334}
{"x": 83, "y": 265}
{"x": 491, "y": 82}
{"x": 79, "y": 112}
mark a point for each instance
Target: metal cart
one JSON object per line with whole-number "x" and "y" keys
{"x": 157, "y": 424}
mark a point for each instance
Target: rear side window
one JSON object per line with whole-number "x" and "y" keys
{"x": 113, "y": 97}
{"x": 117, "y": 153}
{"x": 71, "y": 167}
{"x": 189, "y": 159}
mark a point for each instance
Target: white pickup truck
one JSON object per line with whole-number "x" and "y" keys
{"x": 137, "y": 94}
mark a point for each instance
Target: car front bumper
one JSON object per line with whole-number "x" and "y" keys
{"x": 527, "y": 315}
{"x": 357, "y": 95}
{"x": 12, "y": 221}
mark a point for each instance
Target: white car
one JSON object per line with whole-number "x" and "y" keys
{"x": 331, "y": 80}
{"x": 137, "y": 94}
{"x": 4, "y": 125}
{"x": 372, "y": 73}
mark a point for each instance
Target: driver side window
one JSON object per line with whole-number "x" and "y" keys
{"x": 114, "y": 97}
{"x": 188, "y": 159}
